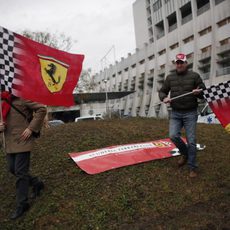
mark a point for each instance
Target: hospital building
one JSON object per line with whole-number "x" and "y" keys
{"x": 163, "y": 28}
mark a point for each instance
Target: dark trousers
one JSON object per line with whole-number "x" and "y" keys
{"x": 18, "y": 165}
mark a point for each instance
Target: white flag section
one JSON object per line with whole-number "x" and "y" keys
{"x": 100, "y": 160}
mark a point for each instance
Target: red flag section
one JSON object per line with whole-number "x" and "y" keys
{"x": 38, "y": 72}
{"x": 100, "y": 160}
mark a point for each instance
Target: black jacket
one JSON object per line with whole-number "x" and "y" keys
{"x": 178, "y": 84}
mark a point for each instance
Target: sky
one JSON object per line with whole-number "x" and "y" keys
{"x": 95, "y": 26}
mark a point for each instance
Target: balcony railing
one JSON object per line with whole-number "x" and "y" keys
{"x": 218, "y": 1}
{"x": 172, "y": 27}
{"x": 161, "y": 71}
{"x": 187, "y": 19}
{"x": 222, "y": 60}
{"x": 204, "y": 66}
{"x": 205, "y": 55}
{"x": 223, "y": 49}
{"x": 160, "y": 34}
{"x": 203, "y": 9}
{"x": 223, "y": 71}
{"x": 141, "y": 79}
{"x": 205, "y": 76}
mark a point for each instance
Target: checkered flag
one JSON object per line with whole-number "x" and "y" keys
{"x": 9, "y": 69}
{"x": 37, "y": 72}
{"x": 217, "y": 92}
{"x": 218, "y": 98}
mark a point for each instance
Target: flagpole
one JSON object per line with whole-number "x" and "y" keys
{"x": 1, "y": 120}
{"x": 173, "y": 98}
{"x": 1, "y": 116}
{"x": 204, "y": 108}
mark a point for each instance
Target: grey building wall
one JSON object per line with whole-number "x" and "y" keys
{"x": 198, "y": 28}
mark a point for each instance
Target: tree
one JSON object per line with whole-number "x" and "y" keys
{"x": 58, "y": 41}
{"x": 86, "y": 82}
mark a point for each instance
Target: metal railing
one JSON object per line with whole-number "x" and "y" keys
{"x": 223, "y": 49}
{"x": 160, "y": 34}
{"x": 203, "y": 9}
{"x": 205, "y": 55}
{"x": 205, "y": 76}
{"x": 223, "y": 71}
{"x": 218, "y": 1}
{"x": 172, "y": 27}
{"x": 186, "y": 19}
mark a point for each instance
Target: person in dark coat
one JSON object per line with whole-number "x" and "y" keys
{"x": 21, "y": 122}
{"x": 184, "y": 109}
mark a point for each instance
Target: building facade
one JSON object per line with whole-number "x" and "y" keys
{"x": 163, "y": 28}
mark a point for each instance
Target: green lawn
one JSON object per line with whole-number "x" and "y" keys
{"x": 151, "y": 195}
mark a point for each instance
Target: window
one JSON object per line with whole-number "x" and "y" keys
{"x": 202, "y": 6}
{"x": 157, "y": 5}
{"x": 142, "y": 61}
{"x": 151, "y": 57}
{"x": 206, "y": 49}
{"x": 162, "y": 52}
{"x": 149, "y": 21}
{"x": 150, "y": 32}
{"x": 160, "y": 29}
{"x": 174, "y": 46}
{"x": 225, "y": 41}
{"x": 188, "y": 39}
{"x": 218, "y": 1}
{"x": 172, "y": 22}
{"x": 223, "y": 22}
{"x": 189, "y": 55}
{"x": 205, "y": 31}
{"x": 186, "y": 13}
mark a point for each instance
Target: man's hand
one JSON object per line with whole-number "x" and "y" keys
{"x": 2, "y": 126}
{"x": 26, "y": 135}
{"x": 167, "y": 100}
{"x": 196, "y": 91}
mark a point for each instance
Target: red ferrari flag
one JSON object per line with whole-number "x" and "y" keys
{"x": 218, "y": 98}
{"x": 37, "y": 72}
{"x": 101, "y": 160}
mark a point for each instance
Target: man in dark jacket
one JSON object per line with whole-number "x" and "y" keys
{"x": 184, "y": 109}
{"x": 22, "y": 119}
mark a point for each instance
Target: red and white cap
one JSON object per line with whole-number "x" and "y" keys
{"x": 181, "y": 57}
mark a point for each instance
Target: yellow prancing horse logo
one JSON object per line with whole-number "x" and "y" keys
{"x": 53, "y": 73}
{"x": 162, "y": 144}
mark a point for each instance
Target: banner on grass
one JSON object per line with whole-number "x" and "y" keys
{"x": 100, "y": 160}
{"x": 37, "y": 72}
{"x": 218, "y": 98}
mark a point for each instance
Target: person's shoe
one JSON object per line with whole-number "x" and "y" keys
{"x": 19, "y": 211}
{"x": 36, "y": 190}
{"x": 193, "y": 174}
{"x": 182, "y": 161}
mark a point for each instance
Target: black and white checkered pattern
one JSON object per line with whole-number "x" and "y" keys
{"x": 217, "y": 92}
{"x": 7, "y": 66}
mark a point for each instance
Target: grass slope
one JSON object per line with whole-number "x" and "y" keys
{"x": 152, "y": 195}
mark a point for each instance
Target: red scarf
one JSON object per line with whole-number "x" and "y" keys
{"x": 5, "y": 106}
